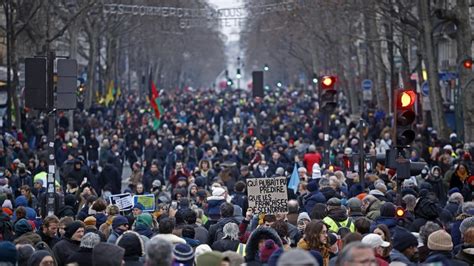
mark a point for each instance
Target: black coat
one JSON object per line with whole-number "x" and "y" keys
{"x": 63, "y": 249}
{"x": 83, "y": 257}
{"x": 110, "y": 179}
{"x": 251, "y": 249}
{"x": 225, "y": 245}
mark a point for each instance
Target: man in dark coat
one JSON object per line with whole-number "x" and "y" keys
{"x": 216, "y": 230}
{"x": 70, "y": 242}
{"x": 152, "y": 175}
{"x": 110, "y": 179}
{"x": 83, "y": 257}
{"x": 49, "y": 231}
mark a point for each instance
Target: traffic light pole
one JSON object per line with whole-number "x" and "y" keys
{"x": 50, "y": 188}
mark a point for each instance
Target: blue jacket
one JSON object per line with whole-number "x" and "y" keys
{"x": 311, "y": 199}
{"x": 390, "y": 222}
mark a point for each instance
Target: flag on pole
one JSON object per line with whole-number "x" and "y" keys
{"x": 155, "y": 104}
{"x": 294, "y": 179}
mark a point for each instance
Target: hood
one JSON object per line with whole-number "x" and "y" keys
{"x": 21, "y": 201}
{"x": 214, "y": 202}
{"x": 375, "y": 206}
{"x": 258, "y": 234}
{"x": 427, "y": 209}
{"x": 338, "y": 214}
{"x": 390, "y": 222}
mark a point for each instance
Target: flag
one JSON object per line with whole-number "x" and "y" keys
{"x": 109, "y": 97}
{"x": 155, "y": 104}
{"x": 294, "y": 179}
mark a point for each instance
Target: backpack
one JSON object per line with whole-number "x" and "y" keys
{"x": 343, "y": 229}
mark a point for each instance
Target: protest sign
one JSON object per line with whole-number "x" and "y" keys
{"x": 148, "y": 201}
{"x": 268, "y": 195}
{"x": 123, "y": 201}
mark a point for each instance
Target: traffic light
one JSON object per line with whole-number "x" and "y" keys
{"x": 230, "y": 82}
{"x": 467, "y": 63}
{"x": 238, "y": 76}
{"x": 400, "y": 212}
{"x": 405, "y": 117}
{"x": 328, "y": 93}
{"x": 315, "y": 78}
{"x": 266, "y": 67}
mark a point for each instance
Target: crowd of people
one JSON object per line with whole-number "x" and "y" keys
{"x": 196, "y": 165}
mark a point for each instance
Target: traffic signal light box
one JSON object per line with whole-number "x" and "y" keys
{"x": 405, "y": 117}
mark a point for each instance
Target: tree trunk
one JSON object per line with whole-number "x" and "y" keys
{"x": 464, "y": 39}
{"x": 91, "y": 68}
{"x": 370, "y": 28}
{"x": 437, "y": 110}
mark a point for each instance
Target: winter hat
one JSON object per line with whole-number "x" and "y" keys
{"x": 218, "y": 192}
{"x": 267, "y": 249}
{"x": 89, "y": 240}
{"x": 403, "y": 239}
{"x": 354, "y": 204}
{"x": 24, "y": 252}
{"x": 90, "y": 221}
{"x": 312, "y": 186}
{"x": 37, "y": 257}
{"x": 145, "y": 219}
{"x": 184, "y": 254}
{"x": 118, "y": 221}
{"x": 334, "y": 202}
{"x": 139, "y": 206}
{"x": 201, "y": 249}
{"x": 101, "y": 254}
{"x": 375, "y": 241}
{"x": 316, "y": 171}
{"x": 72, "y": 228}
{"x": 453, "y": 190}
{"x": 440, "y": 241}
{"x": 156, "y": 183}
{"x": 296, "y": 257}
{"x": 8, "y": 252}
{"x": 387, "y": 210}
{"x": 212, "y": 258}
{"x": 132, "y": 243}
{"x": 21, "y": 201}
{"x": 22, "y": 227}
{"x": 301, "y": 216}
{"x": 7, "y": 204}
{"x": 466, "y": 224}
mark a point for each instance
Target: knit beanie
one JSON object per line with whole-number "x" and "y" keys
{"x": 132, "y": 243}
{"x": 201, "y": 249}
{"x": 89, "y": 240}
{"x": 183, "y": 254}
{"x": 22, "y": 227}
{"x": 466, "y": 224}
{"x": 72, "y": 228}
{"x": 118, "y": 221}
{"x": 440, "y": 241}
{"x": 387, "y": 210}
{"x": 267, "y": 249}
{"x": 145, "y": 219}
{"x": 403, "y": 239}
{"x": 8, "y": 252}
{"x": 37, "y": 257}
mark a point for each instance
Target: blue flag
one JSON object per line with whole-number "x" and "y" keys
{"x": 294, "y": 180}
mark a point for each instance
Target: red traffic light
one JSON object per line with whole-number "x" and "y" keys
{"x": 467, "y": 63}
{"x": 406, "y": 99}
{"x": 327, "y": 82}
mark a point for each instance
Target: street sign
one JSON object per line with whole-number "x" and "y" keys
{"x": 425, "y": 88}
{"x": 447, "y": 76}
{"x": 367, "y": 84}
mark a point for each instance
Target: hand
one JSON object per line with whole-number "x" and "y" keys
{"x": 172, "y": 212}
